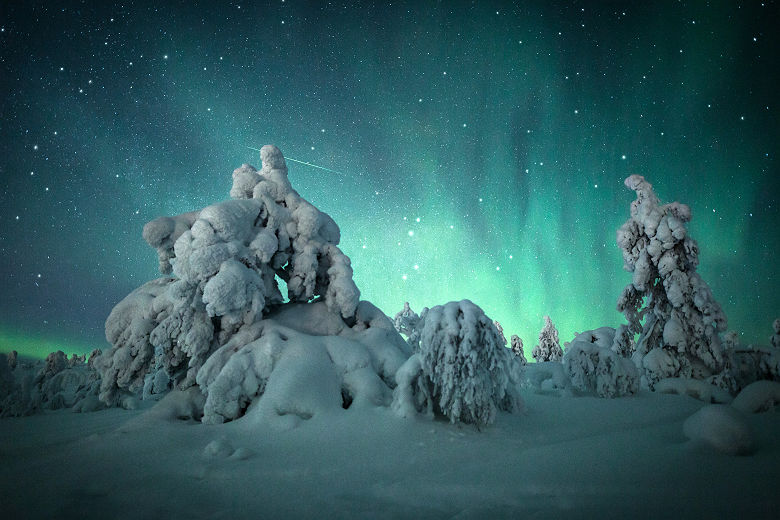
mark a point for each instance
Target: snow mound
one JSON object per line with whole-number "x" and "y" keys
{"x": 593, "y": 367}
{"x": 722, "y": 428}
{"x": 463, "y": 370}
{"x": 695, "y": 388}
{"x": 548, "y": 376}
{"x": 276, "y": 373}
{"x": 218, "y": 449}
{"x": 760, "y": 396}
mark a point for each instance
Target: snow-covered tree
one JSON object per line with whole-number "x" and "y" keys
{"x": 624, "y": 344}
{"x": 549, "y": 348}
{"x": 517, "y": 349}
{"x": 408, "y": 323}
{"x": 225, "y": 260}
{"x": 220, "y": 322}
{"x": 500, "y": 330}
{"x": 593, "y": 366}
{"x": 463, "y": 370}
{"x": 667, "y": 303}
{"x": 775, "y": 339}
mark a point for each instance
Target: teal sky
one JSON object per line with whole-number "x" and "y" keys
{"x": 507, "y": 131}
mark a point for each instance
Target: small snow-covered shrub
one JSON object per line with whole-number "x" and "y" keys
{"x": 549, "y": 348}
{"x": 593, "y": 367}
{"x": 463, "y": 370}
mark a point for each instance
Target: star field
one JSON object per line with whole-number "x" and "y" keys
{"x": 478, "y": 150}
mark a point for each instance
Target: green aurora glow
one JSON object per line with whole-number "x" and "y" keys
{"x": 506, "y": 131}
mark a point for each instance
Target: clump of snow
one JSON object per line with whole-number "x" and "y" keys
{"x": 226, "y": 259}
{"x": 760, "y": 396}
{"x": 220, "y": 448}
{"x": 679, "y": 336}
{"x": 516, "y": 344}
{"x": 549, "y": 348}
{"x": 696, "y": 388}
{"x": 722, "y": 428}
{"x": 463, "y": 370}
{"x": 593, "y": 367}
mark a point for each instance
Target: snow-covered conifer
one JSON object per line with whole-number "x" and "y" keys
{"x": 225, "y": 260}
{"x": 463, "y": 369}
{"x": 517, "y": 349}
{"x": 679, "y": 334}
{"x": 624, "y": 344}
{"x": 549, "y": 348}
{"x": 775, "y": 339}
{"x": 408, "y": 323}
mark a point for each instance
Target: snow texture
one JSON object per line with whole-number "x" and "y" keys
{"x": 225, "y": 260}
{"x": 517, "y": 349}
{"x": 549, "y": 348}
{"x": 722, "y": 428}
{"x": 679, "y": 336}
{"x": 593, "y": 367}
{"x": 463, "y": 370}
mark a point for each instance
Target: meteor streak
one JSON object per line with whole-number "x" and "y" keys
{"x": 306, "y": 163}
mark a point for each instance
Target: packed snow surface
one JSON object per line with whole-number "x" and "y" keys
{"x": 564, "y": 457}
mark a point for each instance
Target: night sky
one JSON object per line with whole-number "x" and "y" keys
{"x": 481, "y": 147}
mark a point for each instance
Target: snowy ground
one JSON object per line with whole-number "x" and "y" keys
{"x": 565, "y": 457}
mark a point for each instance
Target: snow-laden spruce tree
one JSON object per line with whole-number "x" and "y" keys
{"x": 206, "y": 325}
{"x": 549, "y": 348}
{"x": 463, "y": 369}
{"x": 517, "y": 349}
{"x": 667, "y": 303}
{"x": 775, "y": 339}
{"x": 408, "y": 323}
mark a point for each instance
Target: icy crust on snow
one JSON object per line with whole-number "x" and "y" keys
{"x": 593, "y": 367}
{"x": 225, "y": 260}
{"x": 463, "y": 369}
{"x": 276, "y": 370}
{"x": 679, "y": 336}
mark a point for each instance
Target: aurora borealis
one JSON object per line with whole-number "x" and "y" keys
{"x": 483, "y": 147}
